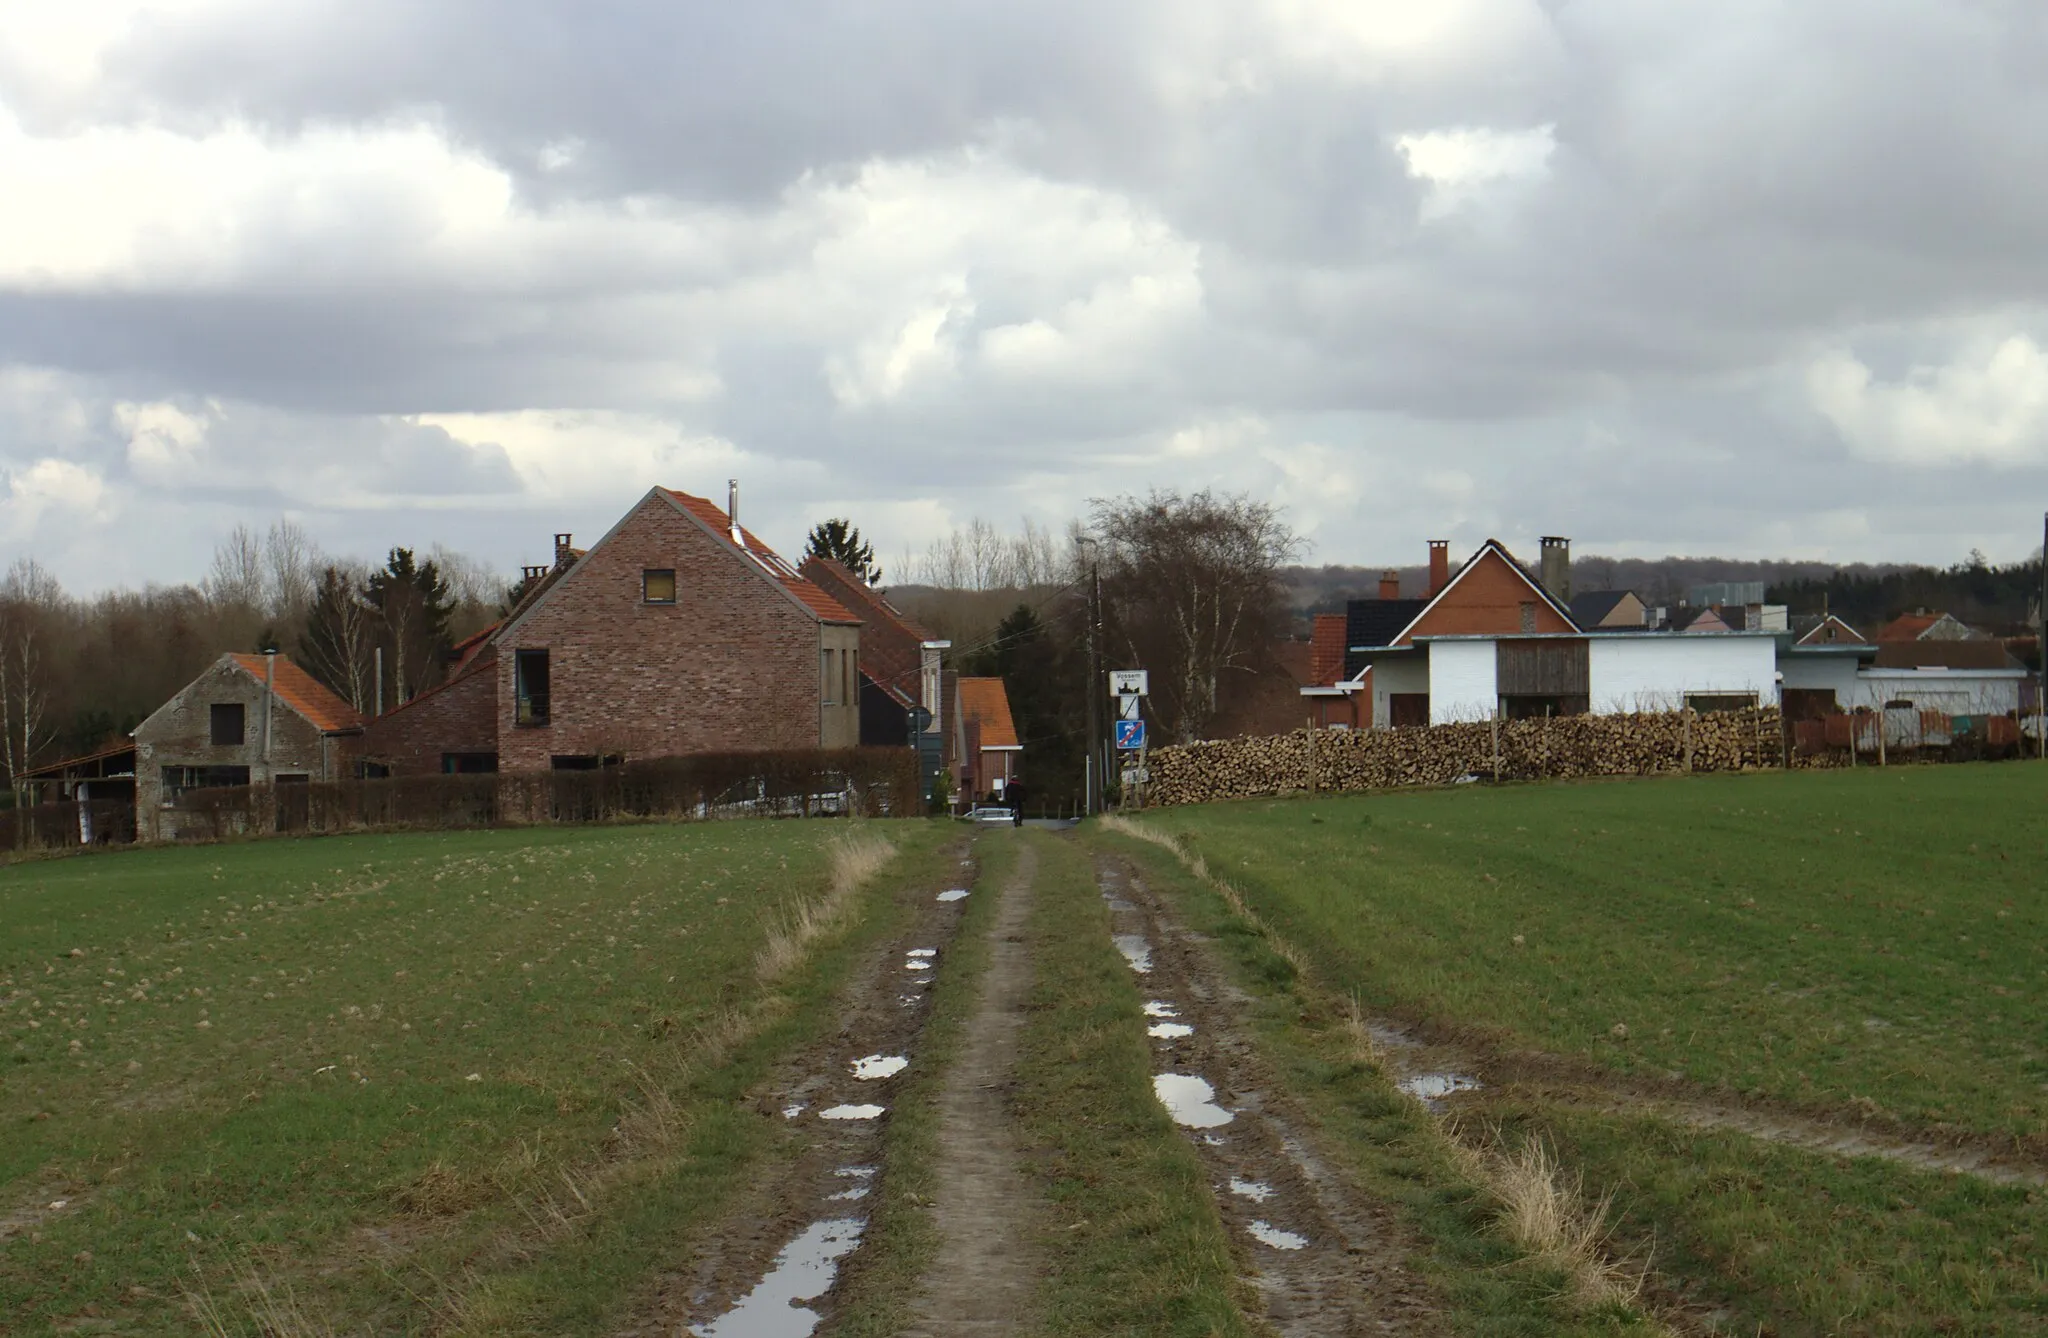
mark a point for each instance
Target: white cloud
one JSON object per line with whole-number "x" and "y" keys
{"x": 1989, "y": 405}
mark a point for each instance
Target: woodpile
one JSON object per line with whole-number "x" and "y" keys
{"x": 1549, "y": 749}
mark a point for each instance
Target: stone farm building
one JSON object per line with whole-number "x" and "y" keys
{"x": 247, "y": 720}
{"x": 678, "y": 632}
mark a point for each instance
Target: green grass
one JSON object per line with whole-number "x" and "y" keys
{"x": 362, "y": 1067}
{"x": 1384, "y": 1143}
{"x": 1874, "y": 940}
{"x": 1134, "y": 1244}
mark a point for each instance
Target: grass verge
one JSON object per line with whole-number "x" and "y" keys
{"x": 1134, "y": 1244}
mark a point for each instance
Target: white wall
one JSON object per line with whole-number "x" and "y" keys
{"x": 1653, "y": 673}
{"x": 1837, "y": 672}
{"x": 1409, "y": 673}
{"x": 1463, "y": 682}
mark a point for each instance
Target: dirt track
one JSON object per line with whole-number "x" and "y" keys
{"x": 1327, "y": 1260}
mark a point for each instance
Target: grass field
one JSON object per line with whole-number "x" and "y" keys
{"x": 391, "y": 1074}
{"x": 1865, "y": 948}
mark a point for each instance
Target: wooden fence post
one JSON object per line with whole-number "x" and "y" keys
{"x": 1685, "y": 737}
{"x": 1496, "y": 743}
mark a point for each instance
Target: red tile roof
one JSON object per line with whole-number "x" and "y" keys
{"x": 984, "y": 702}
{"x": 304, "y": 693}
{"x": 1907, "y": 626}
{"x": 808, "y": 594}
{"x": 890, "y": 644}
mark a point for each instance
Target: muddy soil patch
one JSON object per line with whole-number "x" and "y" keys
{"x": 767, "y": 1267}
{"x": 1327, "y": 1260}
{"x": 983, "y": 1279}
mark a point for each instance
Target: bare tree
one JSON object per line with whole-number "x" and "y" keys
{"x": 31, "y": 601}
{"x": 339, "y": 640}
{"x": 291, "y": 566}
{"x": 1191, "y": 591}
{"x": 237, "y": 576}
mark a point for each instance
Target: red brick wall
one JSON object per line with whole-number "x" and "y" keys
{"x": 1488, "y": 599}
{"x": 731, "y": 665}
{"x": 1326, "y": 657}
{"x": 890, "y": 651}
{"x": 459, "y": 717}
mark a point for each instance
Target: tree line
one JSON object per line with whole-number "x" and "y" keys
{"x": 78, "y": 673}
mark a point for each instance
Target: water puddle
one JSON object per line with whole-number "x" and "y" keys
{"x": 1169, "y": 1031}
{"x": 1268, "y": 1234}
{"x": 803, "y": 1271}
{"x": 908, "y": 1000}
{"x": 791, "y": 1112}
{"x": 917, "y": 964}
{"x": 879, "y": 1066}
{"x": 1258, "y": 1191}
{"x": 1136, "y": 951}
{"x": 1190, "y": 1100}
{"x": 1430, "y": 1088}
{"x": 1160, "y": 1008}
{"x": 851, "y": 1112}
{"x": 922, "y": 952}
{"x": 954, "y": 894}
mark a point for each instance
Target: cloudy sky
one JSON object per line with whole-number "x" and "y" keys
{"x": 1743, "y": 277}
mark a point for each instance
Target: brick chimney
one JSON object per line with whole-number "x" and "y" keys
{"x": 565, "y": 552}
{"x": 1326, "y": 650}
{"x": 1390, "y": 584}
{"x": 1556, "y": 569}
{"x": 1439, "y": 566}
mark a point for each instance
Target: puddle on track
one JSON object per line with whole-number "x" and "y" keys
{"x": 1258, "y": 1191}
{"x": 852, "y": 1112}
{"x": 879, "y": 1066}
{"x": 1136, "y": 950}
{"x": 1169, "y": 1031}
{"x": 1160, "y": 1008}
{"x": 922, "y": 952}
{"x": 917, "y": 964}
{"x": 803, "y": 1271}
{"x": 954, "y": 894}
{"x": 1268, "y": 1234}
{"x": 1432, "y": 1088}
{"x": 791, "y": 1112}
{"x": 1190, "y": 1100}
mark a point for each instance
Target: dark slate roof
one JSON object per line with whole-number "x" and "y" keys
{"x": 1588, "y": 609}
{"x": 1944, "y": 655}
{"x": 1375, "y": 622}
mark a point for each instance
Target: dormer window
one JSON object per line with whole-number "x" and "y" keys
{"x": 658, "y": 585}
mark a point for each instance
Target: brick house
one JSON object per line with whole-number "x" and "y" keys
{"x": 247, "y": 720}
{"x": 899, "y": 660}
{"x": 989, "y": 755}
{"x": 678, "y": 632}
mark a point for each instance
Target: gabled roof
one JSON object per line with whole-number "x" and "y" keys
{"x": 713, "y": 518}
{"x": 303, "y": 693}
{"x": 1591, "y": 608}
{"x": 1706, "y": 620}
{"x": 1821, "y": 629}
{"x": 1375, "y": 613}
{"x": 984, "y": 702}
{"x": 890, "y": 642}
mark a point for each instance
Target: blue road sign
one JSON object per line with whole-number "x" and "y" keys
{"x": 1130, "y": 734}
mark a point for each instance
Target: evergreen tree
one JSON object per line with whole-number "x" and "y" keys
{"x": 336, "y": 646}
{"x": 413, "y": 604}
{"x": 838, "y": 540}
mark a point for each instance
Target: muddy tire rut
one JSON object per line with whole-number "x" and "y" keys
{"x": 765, "y": 1270}
{"x": 1326, "y": 1259}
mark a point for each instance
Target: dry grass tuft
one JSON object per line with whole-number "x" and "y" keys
{"x": 856, "y": 857}
{"x": 1364, "y": 1049}
{"x": 1543, "y": 1210}
{"x": 269, "y": 1306}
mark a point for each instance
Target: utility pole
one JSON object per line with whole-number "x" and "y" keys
{"x": 1095, "y": 778}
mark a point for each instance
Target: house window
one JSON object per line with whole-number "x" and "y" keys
{"x": 585, "y": 761}
{"x": 658, "y": 585}
{"x": 468, "y": 764}
{"x": 530, "y": 687}
{"x": 1528, "y": 615}
{"x": 227, "y": 724}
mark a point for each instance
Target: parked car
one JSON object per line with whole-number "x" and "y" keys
{"x": 992, "y": 814}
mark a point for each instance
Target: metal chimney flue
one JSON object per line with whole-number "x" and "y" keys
{"x": 732, "y": 510}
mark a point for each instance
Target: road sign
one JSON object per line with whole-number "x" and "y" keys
{"x": 1130, "y": 734}
{"x": 1128, "y": 683}
{"x": 1127, "y": 707}
{"x": 1137, "y": 775}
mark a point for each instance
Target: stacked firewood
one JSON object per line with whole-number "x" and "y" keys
{"x": 1558, "y": 748}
